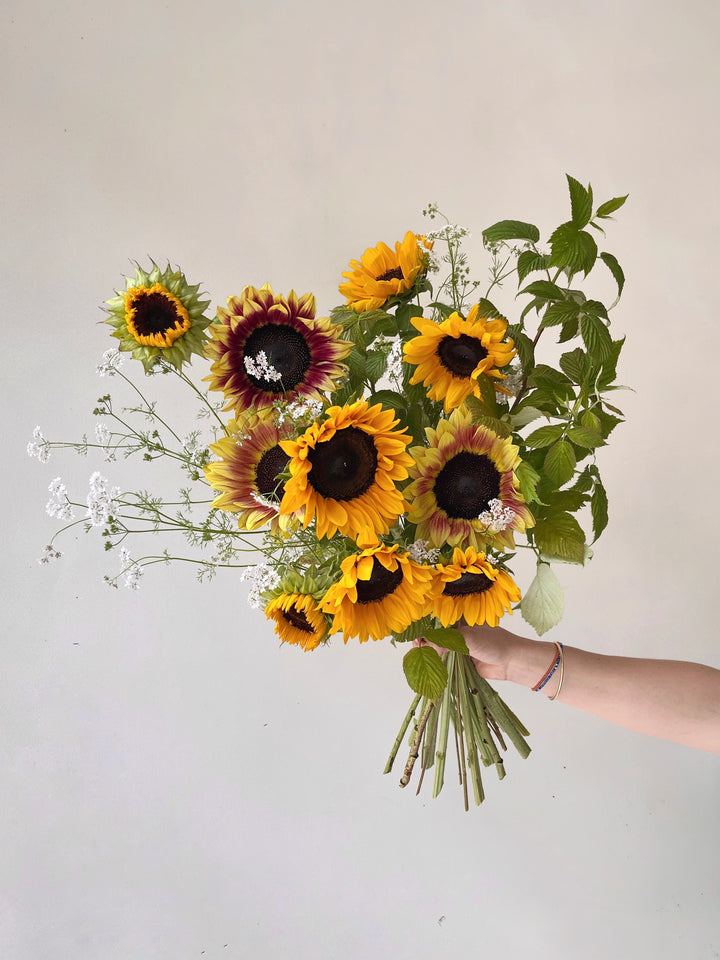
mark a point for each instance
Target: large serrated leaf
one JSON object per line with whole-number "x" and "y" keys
{"x": 375, "y": 364}
{"x": 544, "y": 436}
{"x": 528, "y": 478}
{"x": 572, "y": 364}
{"x": 585, "y": 437}
{"x": 573, "y": 249}
{"x": 543, "y": 604}
{"x": 529, "y": 262}
{"x": 599, "y": 509}
{"x": 511, "y": 230}
{"x": 560, "y": 461}
{"x": 545, "y": 289}
{"x": 560, "y": 535}
{"x": 425, "y": 672}
{"x": 558, "y": 313}
{"x": 580, "y": 202}
{"x": 596, "y": 337}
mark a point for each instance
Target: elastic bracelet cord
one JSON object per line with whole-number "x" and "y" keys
{"x": 559, "y": 661}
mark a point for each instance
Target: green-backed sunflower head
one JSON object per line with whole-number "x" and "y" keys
{"x": 159, "y": 315}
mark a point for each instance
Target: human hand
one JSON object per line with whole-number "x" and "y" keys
{"x": 491, "y": 649}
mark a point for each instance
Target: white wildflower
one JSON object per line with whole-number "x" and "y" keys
{"x": 132, "y": 570}
{"x": 101, "y": 503}
{"x": 260, "y": 368}
{"x": 263, "y": 577}
{"x": 450, "y": 232}
{"x": 420, "y": 553}
{"x": 49, "y": 554}
{"x": 111, "y": 360}
{"x": 512, "y": 383}
{"x": 498, "y": 517}
{"x": 194, "y": 448}
{"x": 39, "y": 447}
{"x": 58, "y": 505}
{"x": 103, "y": 437}
{"x": 302, "y": 409}
{"x": 395, "y": 363}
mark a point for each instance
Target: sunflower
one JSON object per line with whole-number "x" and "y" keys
{"x": 298, "y": 619}
{"x": 380, "y": 591}
{"x": 267, "y": 347}
{"x": 450, "y": 356}
{"x": 382, "y": 273}
{"x": 248, "y": 471}
{"x": 343, "y": 472}
{"x": 159, "y": 315}
{"x": 474, "y": 590}
{"x": 456, "y": 481}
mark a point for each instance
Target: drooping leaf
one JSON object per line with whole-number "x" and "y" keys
{"x": 543, "y": 604}
{"x": 599, "y": 508}
{"x": 425, "y": 672}
{"x": 615, "y": 269}
{"x": 511, "y": 230}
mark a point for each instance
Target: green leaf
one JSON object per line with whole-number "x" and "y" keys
{"x": 560, "y": 462}
{"x": 599, "y": 509}
{"x": 444, "y": 308}
{"x": 544, "y": 436}
{"x": 590, "y": 420}
{"x": 389, "y": 399}
{"x": 529, "y": 262}
{"x": 375, "y": 363}
{"x": 425, "y": 672}
{"x": 487, "y": 391}
{"x": 560, "y": 313}
{"x": 560, "y": 535}
{"x": 573, "y": 249}
{"x": 596, "y": 337}
{"x": 561, "y": 501}
{"x": 585, "y": 437}
{"x": 588, "y": 554}
{"x": 523, "y": 345}
{"x": 580, "y": 202}
{"x": 535, "y": 304}
{"x": 569, "y": 330}
{"x": 511, "y": 230}
{"x": 528, "y": 478}
{"x": 356, "y": 366}
{"x": 544, "y": 289}
{"x": 596, "y": 308}
{"x": 447, "y": 637}
{"x": 610, "y": 206}
{"x": 543, "y": 604}
{"x": 615, "y": 269}
{"x": 525, "y": 415}
{"x": 572, "y": 364}
{"x": 489, "y": 311}
{"x": 415, "y": 630}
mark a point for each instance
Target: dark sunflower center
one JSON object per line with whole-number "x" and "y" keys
{"x": 153, "y": 313}
{"x": 467, "y": 584}
{"x": 394, "y": 274}
{"x": 381, "y": 584}
{"x": 297, "y": 619}
{"x": 343, "y": 468}
{"x": 285, "y": 349}
{"x": 460, "y": 355}
{"x": 466, "y": 485}
{"x": 270, "y": 465}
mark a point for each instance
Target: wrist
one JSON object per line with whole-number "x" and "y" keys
{"x": 529, "y": 661}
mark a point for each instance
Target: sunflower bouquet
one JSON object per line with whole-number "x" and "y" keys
{"x": 375, "y": 472}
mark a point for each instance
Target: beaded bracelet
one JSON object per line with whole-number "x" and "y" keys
{"x": 557, "y": 662}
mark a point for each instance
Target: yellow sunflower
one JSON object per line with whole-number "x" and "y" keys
{"x": 380, "y": 591}
{"x": 248, "y": 471}
{"x": 450, "y": 356}
{"x": 159, "y": 315}
{"x": 267, "y": 348}
{"x": 464, "y": 490}
{"x": 382, "y": 273}
{"x": 343, "y": 472}
{"x": 473, "y": 590}
{"x": 298, "y": 619}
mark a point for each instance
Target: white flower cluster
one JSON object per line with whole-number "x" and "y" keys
{"x": 263, "y": 577}
{"x": 304, "y": 408}
{"x": 259, "y": 367}
{"x": 498, "y": 517}
{"x": 101, "y": 504}
{"x": 133, "y": 571}
{"x": 512, "y": 383}
{"x": 49, "y": 554}
{"x": 38, "y": 446}
{"x": 420, "y": 553}
{"x": 450, "y": 232}
{"x": 102, "y": 436}
{"x": 194, "y": 448}
{"x": 111, "y": 360}
{"x": 394, "y": 368}
{"x": 58, "y": 505}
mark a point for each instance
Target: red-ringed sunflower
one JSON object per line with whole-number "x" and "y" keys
{"x": 267, "y": 347}
{"x": 343, "y": 472}
{"x": 382, "y": 273}
{"x": 298, "y": 619}
{"x": 451, "y": 355}
{"x": 248, "y": 471}
{"x": 381, "y": 591}
{"x": 464, "y": 467}
{"x": 159, "y": 315}
{"x": 473, "y": 590}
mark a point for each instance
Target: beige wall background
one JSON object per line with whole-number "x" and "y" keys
{"x": 175, "y": 785}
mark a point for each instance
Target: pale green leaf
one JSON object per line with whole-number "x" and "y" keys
{"x": 543, "y": 604}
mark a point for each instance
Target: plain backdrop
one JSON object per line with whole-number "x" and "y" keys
{"x": 176, "y": 785}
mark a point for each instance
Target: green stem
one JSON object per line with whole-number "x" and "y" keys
{"x": 399, "y": 738}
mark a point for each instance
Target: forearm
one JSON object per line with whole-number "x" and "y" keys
{"x": 675, "y": 700}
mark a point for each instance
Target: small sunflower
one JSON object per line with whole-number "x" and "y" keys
{"x": 343, "y": 472}
{"x": 473, "y": 590}
{"x": 450, "y": 356}
{"x": 456, "y": 481}
{"x": 267, "y": 347}
{"x": 382, "y": 273}
{"x": 248, "y": 471}
{"x": 298, "y": 619}
{"x": 381, "y": 591}
{"x": 159, "y": 315}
